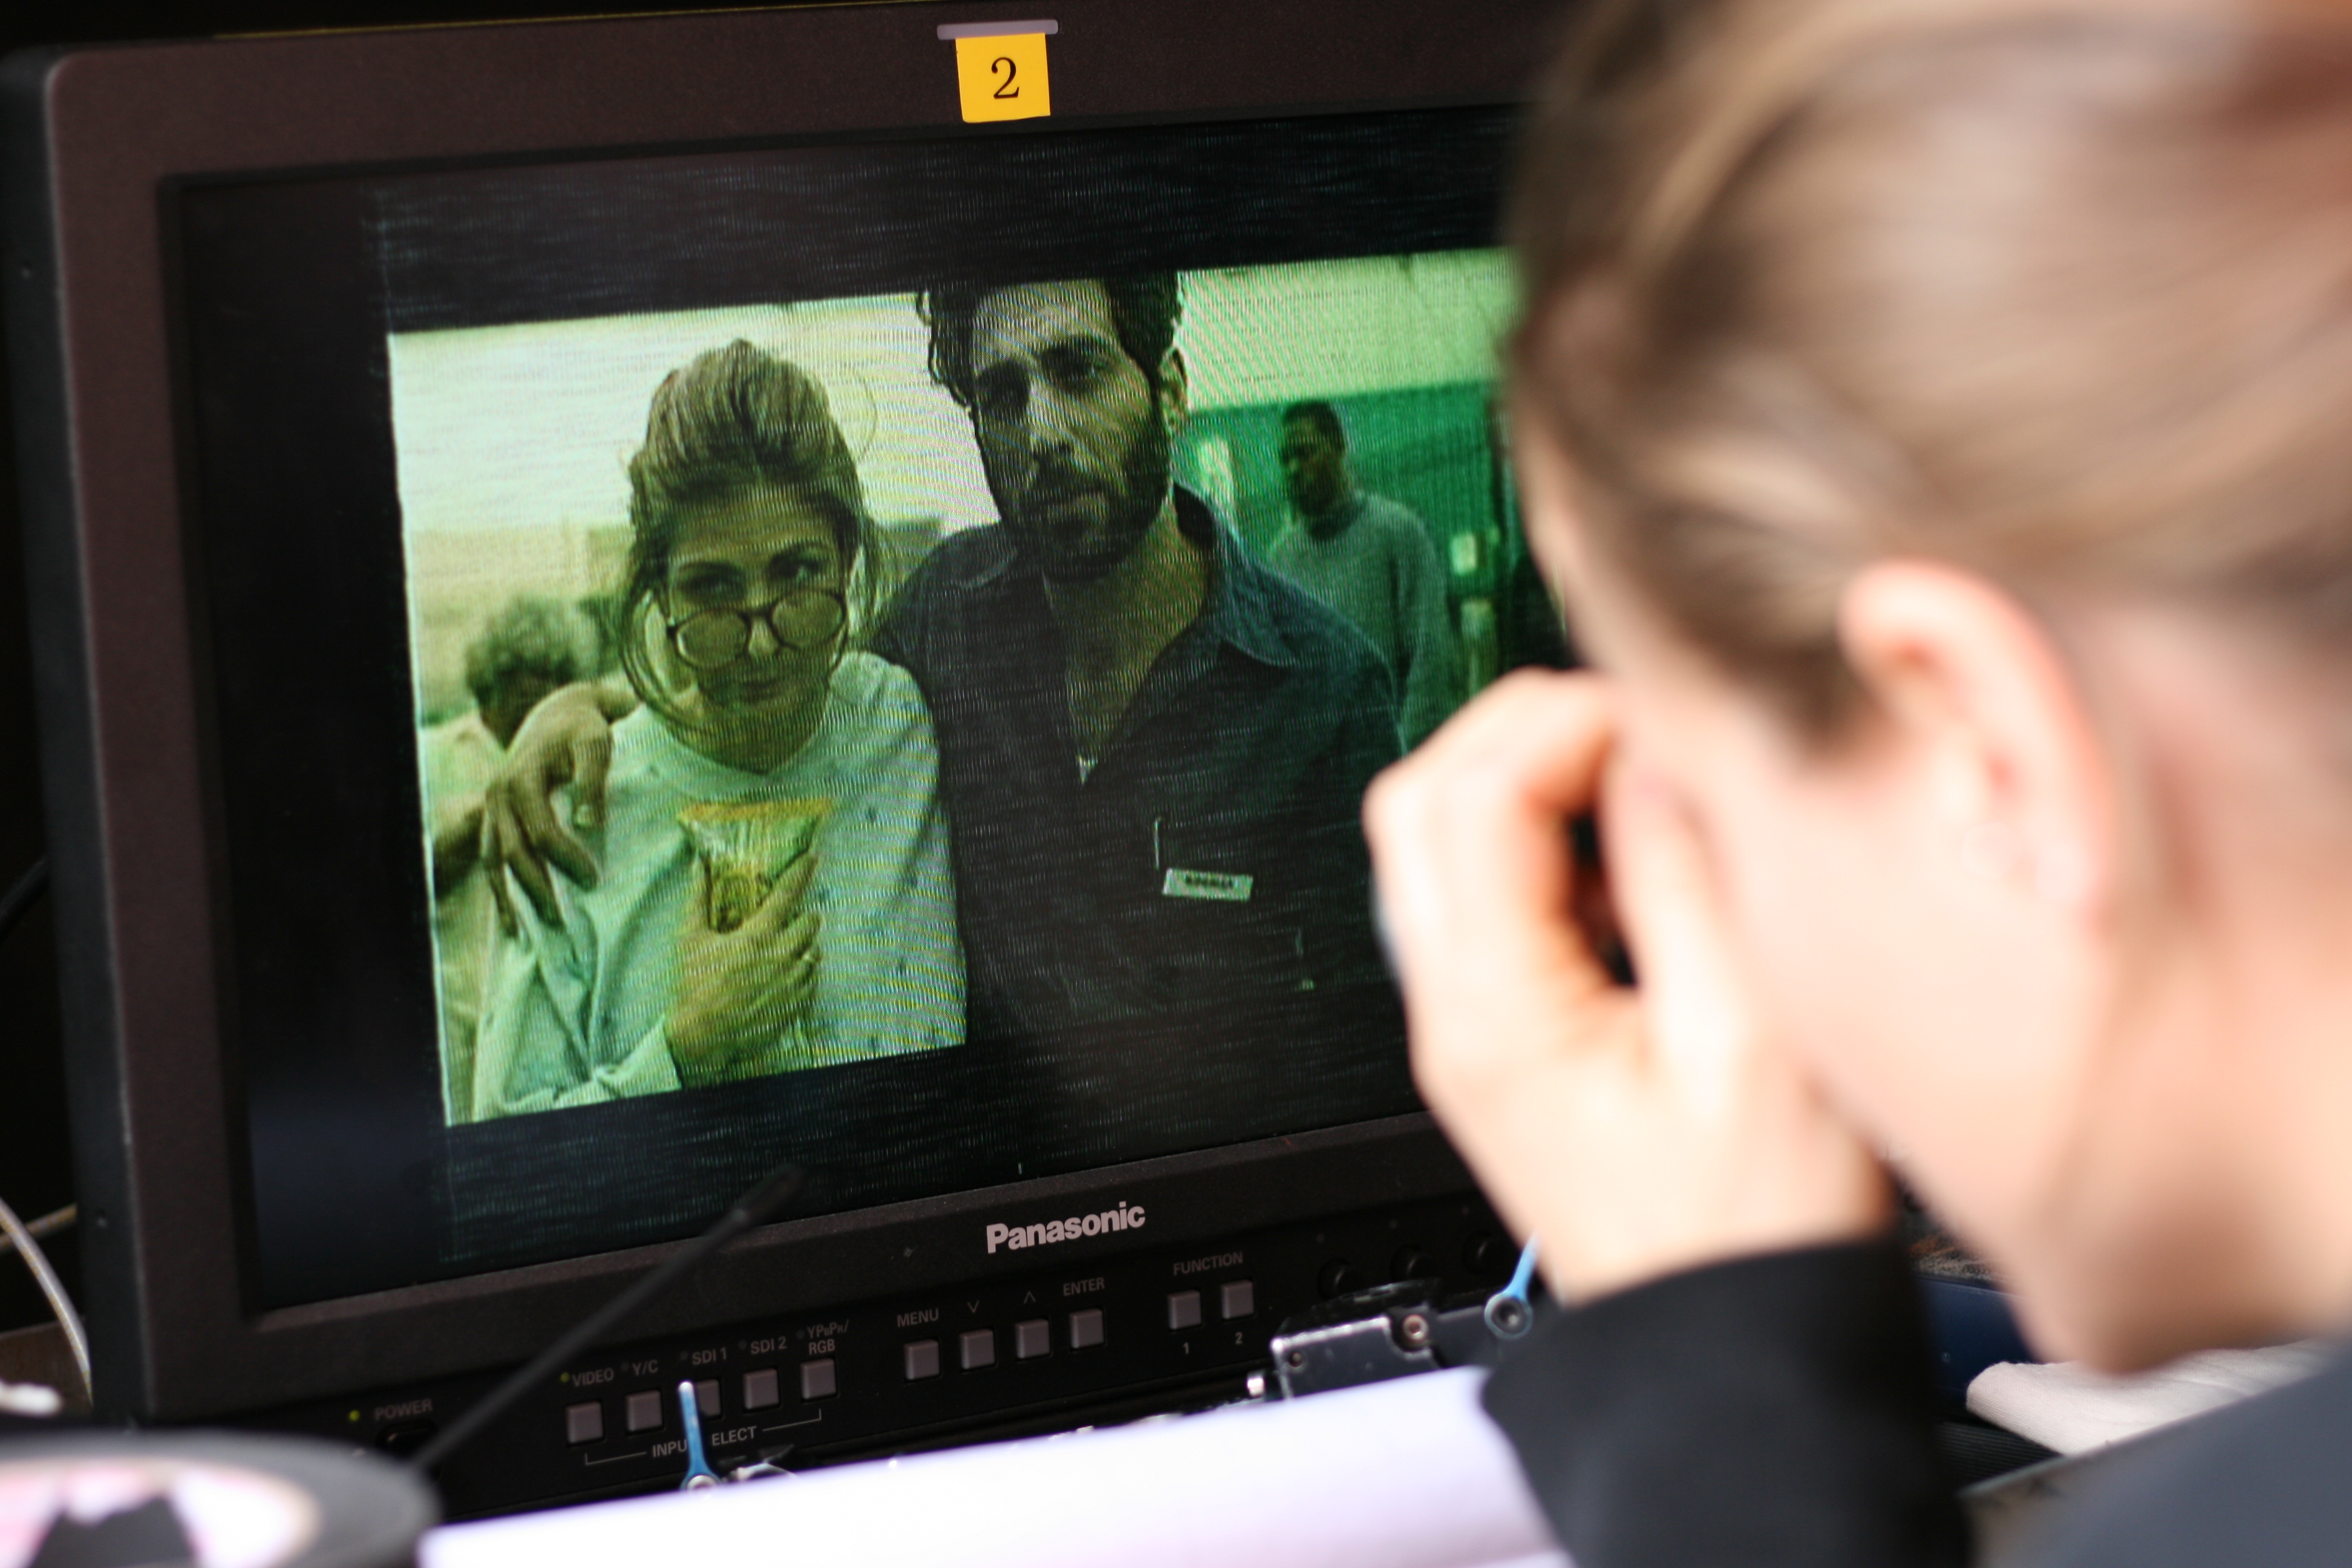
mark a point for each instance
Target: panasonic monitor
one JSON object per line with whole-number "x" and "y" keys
{"x": 995, "y": 482}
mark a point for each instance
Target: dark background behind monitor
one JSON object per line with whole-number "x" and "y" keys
{"x": 35, "y": 1162}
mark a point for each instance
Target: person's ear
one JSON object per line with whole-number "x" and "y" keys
{"x": 1973, "y": 687}
{"x": 1175, "y": 392}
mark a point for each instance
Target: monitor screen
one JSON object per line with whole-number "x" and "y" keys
{"x": 1002, "y": 563}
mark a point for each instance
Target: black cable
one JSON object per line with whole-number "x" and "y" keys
{"x": 776, "y": 1189}
{"x": 20, "y": 897}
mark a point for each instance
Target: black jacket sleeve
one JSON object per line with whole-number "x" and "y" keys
{"x": 1769, "y": 1410}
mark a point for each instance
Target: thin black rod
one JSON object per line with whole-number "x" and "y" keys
{"x": 777, "y": 1189}
{"x": 20, "y": 897}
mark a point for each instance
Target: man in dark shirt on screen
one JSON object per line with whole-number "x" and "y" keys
{"x": 1152, "y": 748}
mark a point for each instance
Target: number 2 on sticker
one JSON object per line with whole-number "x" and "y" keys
{"x": 1000, "y": 73}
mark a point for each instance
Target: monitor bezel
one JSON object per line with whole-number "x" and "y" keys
{"x": 97, "y": 139}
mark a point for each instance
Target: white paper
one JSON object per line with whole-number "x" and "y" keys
{"x": 2067, "y": 1407}
{"x": 1404, "y": 1474}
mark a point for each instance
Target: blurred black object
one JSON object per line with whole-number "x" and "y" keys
{"x": 20, "y": 897}
{"x": 314, "y": 1504}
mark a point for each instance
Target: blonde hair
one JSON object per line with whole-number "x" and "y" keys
{"x": 730, "y": 421}
{"x": 2058, "y": 290}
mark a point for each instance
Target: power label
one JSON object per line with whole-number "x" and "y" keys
{"x": 1001, "y": 70}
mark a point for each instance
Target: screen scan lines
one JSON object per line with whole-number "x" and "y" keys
{"x": 1212, "y": 464}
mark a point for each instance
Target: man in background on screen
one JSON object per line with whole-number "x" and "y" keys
{"x": 531, "y": 648}
{"x": 1153, "y": 747}
{"x": 1371, "y": 559}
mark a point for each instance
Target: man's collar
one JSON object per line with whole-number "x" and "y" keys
{"x": 1236, "y": 610}
{"x": 1007, "y": 560}
{"x": 1339, "y": 520}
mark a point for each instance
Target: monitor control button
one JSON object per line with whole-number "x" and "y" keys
{"x": 644, "y": 1411}
{"x": 1488, "y": 1256}
{"x": 922, "y": 1357}
{"x": 1184, "y": 1309}
{"x": 1033, "y": 1339}
{"x": 816, "y": 1379}
{"x": 404, "y": 1438}
{"x": 1086, "y": 1328}
{"x": 584, "y": 1423}
{"x": 760, "y": 1389}
{"x": 1237, "y": 1299}
{"x": 1338, "y": 1278}
{"x": 979, "y": 1349}
{"x": 706, "y": 1398}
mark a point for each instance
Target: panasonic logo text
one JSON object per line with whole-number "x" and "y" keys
{"x": 1014, "y": 1238}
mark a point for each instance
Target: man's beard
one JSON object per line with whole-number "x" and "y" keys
{"x": 1315, "y": 499}
{"x": 1128, "y": 515}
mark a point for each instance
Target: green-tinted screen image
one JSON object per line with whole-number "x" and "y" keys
{"x": 756, "y": 534}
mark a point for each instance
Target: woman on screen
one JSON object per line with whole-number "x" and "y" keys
{"x": 1938, "y": 420}
{"x": 776, "y": 892}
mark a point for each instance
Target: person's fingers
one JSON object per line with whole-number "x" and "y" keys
{"x": 514, "y": 855}
{"x": 797, "y": 942}
{"x": 544, "y": 839}
{"x": 782, "y": 904}
{"x": 493, "y": 869}
{"x": 789, "y": 975}
{"x": 791, "y": 887}
{"x": 800, "y": 987}
{"x": 1500, "y": 784}
{"x": 526, "y": 791}
{"x": 1470, "y": 833}
{"x": 1701, "y": 1022}
{"x": 531, "y": 873}
{"x": 697, "y": 924}
{"x": 591, "y": 762}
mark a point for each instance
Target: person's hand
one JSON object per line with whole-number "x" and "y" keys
{"x": 457, "y": 844}
{"x": 1639, "y": 1131}
{"x": 739, "y": 991}
{"x": 566, "y": 739}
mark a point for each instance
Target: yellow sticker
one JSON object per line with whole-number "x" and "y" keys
{"x": 1000, "y": 70}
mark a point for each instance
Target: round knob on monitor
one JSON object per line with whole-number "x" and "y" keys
{"x": 1488, "y": 1256}
{"x": 1338, "y": 1278}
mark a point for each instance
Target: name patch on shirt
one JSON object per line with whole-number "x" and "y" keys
{"x": 1225, "y": 887}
